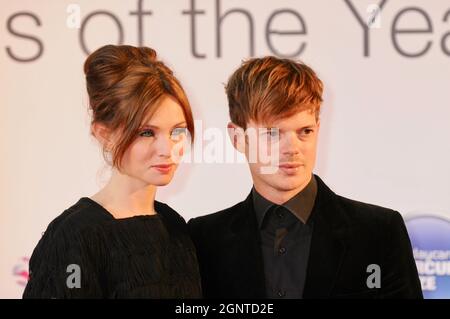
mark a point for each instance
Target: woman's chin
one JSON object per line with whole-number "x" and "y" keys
{"x": 161, "y": 181}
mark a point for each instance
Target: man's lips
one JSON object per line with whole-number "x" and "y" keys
{"x": 290, "y": 165}
{"x": 290, "y": 168}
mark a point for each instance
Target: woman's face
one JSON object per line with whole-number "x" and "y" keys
{"x": 154, "y": 156}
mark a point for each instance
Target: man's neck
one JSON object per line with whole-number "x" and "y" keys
{"x": 277, "y": 196}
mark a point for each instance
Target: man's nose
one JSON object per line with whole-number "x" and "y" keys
{"x": 290, "y": 144}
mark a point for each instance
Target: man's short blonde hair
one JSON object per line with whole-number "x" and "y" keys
{"x": 270, "y": 88}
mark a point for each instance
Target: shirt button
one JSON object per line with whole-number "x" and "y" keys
{"x": 280, "y": 214}
{"x": 282, "y": 250}
{"x": 281, "y": 293}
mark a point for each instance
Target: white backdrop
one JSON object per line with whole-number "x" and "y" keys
{"x": 385, "y": 120}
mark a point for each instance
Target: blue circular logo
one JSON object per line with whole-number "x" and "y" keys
{"x": 430, "y": 239}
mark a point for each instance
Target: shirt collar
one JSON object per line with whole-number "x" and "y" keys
{"x": 300, "y": 205}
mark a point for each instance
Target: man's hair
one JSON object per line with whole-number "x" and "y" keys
{"x": 269, "y": 88}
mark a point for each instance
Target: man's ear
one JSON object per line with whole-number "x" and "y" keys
{"x": 102, "y": 134}
{"x": 237, "y": 136}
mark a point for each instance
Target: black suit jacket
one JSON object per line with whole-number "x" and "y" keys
{"x": 348, "y": 236}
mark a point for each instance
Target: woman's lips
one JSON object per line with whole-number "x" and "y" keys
{"x": 163, "y": 168}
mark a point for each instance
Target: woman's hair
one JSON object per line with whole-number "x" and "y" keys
{"x": 270, "y": 88}
{"x": 125, "y": 84}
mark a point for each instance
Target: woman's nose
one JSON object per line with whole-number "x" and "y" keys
{"x": 164, "y": 146}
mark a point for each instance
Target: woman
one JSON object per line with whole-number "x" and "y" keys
{"x": 120, "y": 242}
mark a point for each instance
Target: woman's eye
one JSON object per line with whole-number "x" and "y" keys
{"x": 178, "y": 132}
{"x": 272, "y": 132}
{"x": 147, "y": 133}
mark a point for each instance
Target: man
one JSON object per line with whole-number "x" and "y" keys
{"x": 293, "y": 237}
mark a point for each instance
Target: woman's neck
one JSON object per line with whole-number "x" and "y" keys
{"x": 124, "y": 196}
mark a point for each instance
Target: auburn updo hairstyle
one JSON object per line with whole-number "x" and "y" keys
{"x": 125, "y": 84}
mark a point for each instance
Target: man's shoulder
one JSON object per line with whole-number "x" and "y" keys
{"x": 358, "y": 211}
{"x": 366, "y": 222}
{"x": 355, "y": 211}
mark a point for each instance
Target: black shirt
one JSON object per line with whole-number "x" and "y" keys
{"x": 286, "y": 232}
{"x": 146, "y": 256}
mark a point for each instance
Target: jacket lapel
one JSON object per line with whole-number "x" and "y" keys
{"x": 328, "y": 244}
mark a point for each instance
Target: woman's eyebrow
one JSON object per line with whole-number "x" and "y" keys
{"x": 181, "y": 123}
{"x": 157, "y": 127}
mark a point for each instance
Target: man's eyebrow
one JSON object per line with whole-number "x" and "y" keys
{"x": 156, "y": 127}
{"x": 308, "y": 126}
{"x": 301, "y": 128}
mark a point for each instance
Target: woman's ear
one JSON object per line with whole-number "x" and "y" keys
{"x": 237, "y": 136}
{"x": 102, "y": 134}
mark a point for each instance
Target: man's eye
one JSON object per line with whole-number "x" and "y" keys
{"x": 307, "y": 131}
{"x": 178, "y": 132}
{"x": 147, "y": 133}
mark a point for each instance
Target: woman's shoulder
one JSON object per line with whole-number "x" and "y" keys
{"x": 68, "y": 234}
{"x": 68, "y": 239}
{"x": 170, "y": 214}
{"x": 164, "y": 209}
{"x": 85, "y": 213}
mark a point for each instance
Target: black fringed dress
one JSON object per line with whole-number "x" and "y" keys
{"x": 148, "y": 256}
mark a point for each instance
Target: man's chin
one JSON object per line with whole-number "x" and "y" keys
{"x": 288, "y": 184}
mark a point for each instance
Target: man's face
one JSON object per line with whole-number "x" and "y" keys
{"x": 291, "y": 145}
